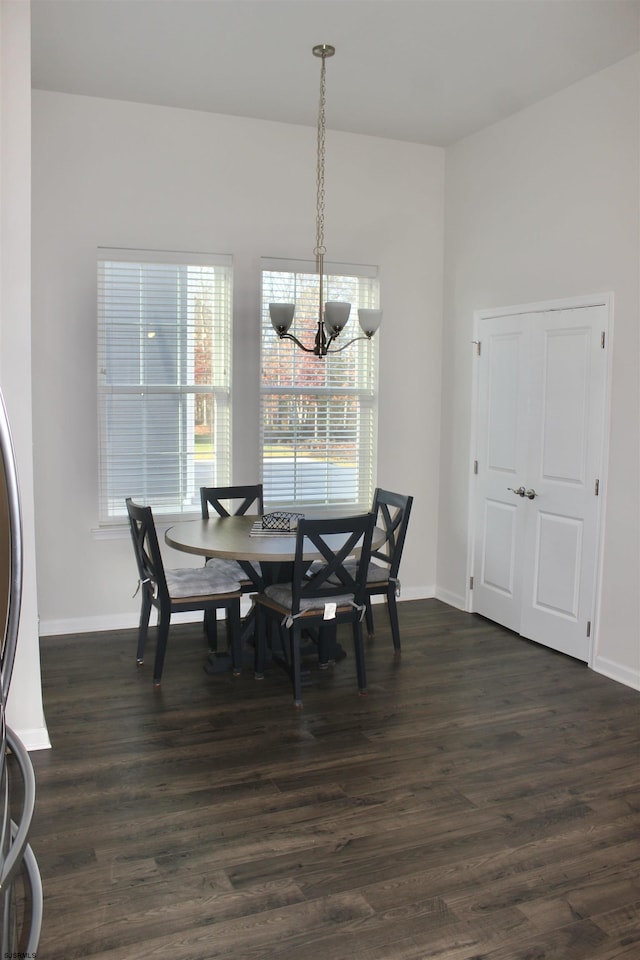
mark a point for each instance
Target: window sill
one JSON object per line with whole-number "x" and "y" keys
{"x": 119, "y": 531}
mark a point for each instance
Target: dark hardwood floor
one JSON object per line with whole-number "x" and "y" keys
{"x": 482, "y": 803}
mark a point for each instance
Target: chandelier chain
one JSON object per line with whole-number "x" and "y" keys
{"x": 320, "y": 248}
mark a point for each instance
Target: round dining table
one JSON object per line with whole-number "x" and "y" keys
{"x": 234, "y": 538}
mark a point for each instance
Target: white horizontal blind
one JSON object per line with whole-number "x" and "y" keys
{"x": 318, "y": 415}
{"x": 164, "y": 378}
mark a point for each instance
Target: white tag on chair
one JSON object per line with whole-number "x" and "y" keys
{"x": 329, "y": 611}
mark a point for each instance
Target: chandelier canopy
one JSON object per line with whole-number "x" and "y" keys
{"x": 334, "y": 314}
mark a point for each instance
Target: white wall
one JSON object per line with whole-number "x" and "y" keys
{"x": 545, "y": 206}
{"x": 121, "y": 174}
{"x": 24, "y": 708}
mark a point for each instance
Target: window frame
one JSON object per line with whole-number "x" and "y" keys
{"x": 184, "y": 501}
{"x": 361, "y": 356}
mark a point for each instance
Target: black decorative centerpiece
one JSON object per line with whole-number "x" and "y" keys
{"x": 281, "y": 521}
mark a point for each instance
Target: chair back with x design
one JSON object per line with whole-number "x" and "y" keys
{"x": 330, "y": 577}
{"x": 392, "y": 512}
{"x": 147, "y": 552}
{"x": 239, "y": 500}
{"x": 234, "y": 501}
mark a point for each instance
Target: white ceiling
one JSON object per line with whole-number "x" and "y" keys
{"x": 427, "y": 71}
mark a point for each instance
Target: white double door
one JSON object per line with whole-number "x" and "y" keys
{"x": 541, "y": 387}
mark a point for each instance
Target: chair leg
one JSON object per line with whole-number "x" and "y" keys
{"x": 392, "y": 606}
{"x": 296, "y": 665}
{"x": 235, "y": 636}
{"x": 358, "y": 646}
{"x": 277, "y": 640}
{"x": 326, "y": 644}
{"x": 161, "y": 646}
{"x": 369, "y": 618}
{"x": 260, "y": 643}
{"x": 143, "y": 629}
{"x": 211, "y": 629}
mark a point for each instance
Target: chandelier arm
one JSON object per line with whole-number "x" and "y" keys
{"x": 322, "y": 348}
{"x": 348, "y": 343}
{"x": 290, "y": 336}
{"x": 328, "y": 340}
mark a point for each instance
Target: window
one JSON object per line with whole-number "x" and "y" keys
{"x": 164, "y": 361}
{"x": 318, "y": 415}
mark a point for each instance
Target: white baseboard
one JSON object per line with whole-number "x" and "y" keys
{"x": 452, "y": 599}
{"x": 36, "y": 739}
{"x": 119, "y": 621}
{"x": 412, "y": 593}
{"x": 616, "y": 671}
{"x": 129, "y": 621}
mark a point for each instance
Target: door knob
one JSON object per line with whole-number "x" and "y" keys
{"x": 531, "y": 494}
{"x": 520, "y": 492}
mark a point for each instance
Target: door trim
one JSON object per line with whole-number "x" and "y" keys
{"x": 605, "y": 300}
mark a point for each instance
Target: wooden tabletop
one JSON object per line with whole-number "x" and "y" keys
{"x": 230, "y": 537}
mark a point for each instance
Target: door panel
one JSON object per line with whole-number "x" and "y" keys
{"x": 558, "y": 549}
{"x": 565, "y": 397}
{"x": 541, "y": 380}
{"x": 498, "y": 558}
{"x": 504, "y": 403}
{"x": 502, "y": 452}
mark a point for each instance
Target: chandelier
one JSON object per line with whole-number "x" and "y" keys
{"x": 334, "y": 314}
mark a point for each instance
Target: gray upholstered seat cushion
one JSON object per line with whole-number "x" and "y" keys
{"x": 199, "y": 582}
{"x": 377, "y": 573}
{"x": 230, "y": 568}
{"x": 280, "y": 593}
